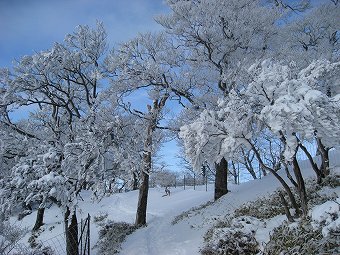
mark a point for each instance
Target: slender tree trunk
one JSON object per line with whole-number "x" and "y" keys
{"x": 324, "y": 158}
{"x": 318, "y": 172}
{"x": 39, "y": 220}
{"x": 251, "y": 170}
{"x": 221, "y": 179}
{"x": 286, "y": 187}
{"x": 278, "y": 177}
{"x": 144, "y": 185}
{"x": 285, "y": 205}
{"x": 142, "y": 200}
{"x": 289, "y": 176}
{"x": 234, "y": 172}
{"x": 71, "y": 233}
{"x": 154, "y": 114}
{"x": 301, "y": 186}
{"x": 249, "y": 165}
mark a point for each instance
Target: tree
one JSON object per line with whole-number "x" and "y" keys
{"x": 150, "y": 62}
{"x": 217, "y": 36}
{"x": 163, "y": 177}
{"x": 313, "y": 35}
{"x": 63, "y": 85}
{"x": 269, "y": 105}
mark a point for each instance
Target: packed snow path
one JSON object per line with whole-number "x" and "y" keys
{"x": 160, "y": 237}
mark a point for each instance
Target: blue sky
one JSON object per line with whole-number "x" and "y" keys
{"x": 28, "y": 26}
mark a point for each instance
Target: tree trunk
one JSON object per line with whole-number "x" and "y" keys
{"x": 234, "y": 172}
{"x": 71, "y": 233}
{"x": 286, "y": 207}
{"x": 248, "y": 164}
{"x": 221, "y": 179}
{"x": 301, "y": 186}
{"x": 39, "y": 220}
{"x": 324, "y": 152}
{"x": 142, "y": 200}
{"x": 289, "y": 176}
{"x": 144, "y": 185}
{"x": 154, "y": 114}
{"x": 318, "y": 172}
{"x": 278, "y": 177}
{"x": 264, "y": 172}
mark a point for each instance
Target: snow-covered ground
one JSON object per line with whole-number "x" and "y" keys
{"x": 122, "y": 207}
{"x": 161, "y": 237}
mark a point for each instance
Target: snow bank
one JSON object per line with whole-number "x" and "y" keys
{"x": 326, "y": 215}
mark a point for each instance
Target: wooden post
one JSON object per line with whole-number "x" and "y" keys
{"x": 194, "y": 181}
{"x": 88, "y": 233}
{"x": 81, "y": 235}
{"x": 184, "y": 182}
{"x": 238, "y": 173}
{"x": 206, "y": 182}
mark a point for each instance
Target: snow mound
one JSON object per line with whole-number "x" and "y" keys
{"x": 326, "y": 215}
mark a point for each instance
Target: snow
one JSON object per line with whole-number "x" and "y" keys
{"x": 262, "y": 234}
{"x": 327, "y": 215}
{"x": 185, "y": 237}
{"x": 322, "y": 212}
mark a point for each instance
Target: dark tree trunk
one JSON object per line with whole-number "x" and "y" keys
{"x": 39, "y": 220}
{"x": 285, "y": 205}
{"x": 249, "y": 165}
{"x": 71, "y": 233}
{"x": 318, "y": 172}
{"x": 144, "y": 185}
{"x": 154, "y": 114}
{"x": 278, "y": 177}
{"x": 301, "y": 186}
{"x": 234, "y": 172}
{"x": 263, "y": 170}
{"x": 287, "y": 189}
{"x": 324, "y": 152}
{"x": 142, "y": 200}
{"x": 221, "y": 179}
{"x": 289, "y": 176}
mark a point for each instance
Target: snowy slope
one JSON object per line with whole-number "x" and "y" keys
{"x": 186, "y": 237}
{"x": 160, "y": 237}
{"x": 119, "y": 207}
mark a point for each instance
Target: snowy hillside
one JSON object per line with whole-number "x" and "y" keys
{"x": 165, "y": 234}
{"x": 186, "y": 237}
{"x": 120, "y": 207}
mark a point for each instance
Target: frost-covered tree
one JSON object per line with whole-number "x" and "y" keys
{"x": 150, "y": 63}
{"x": 311, "y": 35}
{"x": 279, "y": 101}
{"x": 221, "y": 39}
{"x": 219, "y": 34}
{"x": 63, "y": 85}
{"x": 297, "y": 103}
